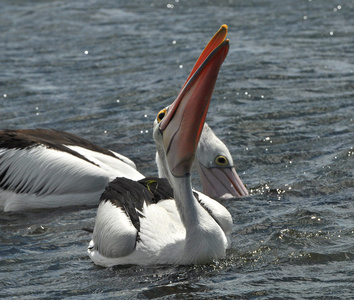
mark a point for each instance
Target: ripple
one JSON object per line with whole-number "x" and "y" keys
{"x": 282, "y": 104}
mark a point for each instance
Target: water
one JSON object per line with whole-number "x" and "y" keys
{"x": 283, "y": 104}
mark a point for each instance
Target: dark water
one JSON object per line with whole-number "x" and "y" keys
{"x": 283, "y": 103}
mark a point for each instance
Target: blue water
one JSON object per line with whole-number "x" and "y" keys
{"x": 283, "y": 104}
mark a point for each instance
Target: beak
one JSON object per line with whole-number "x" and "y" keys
{"x": 215, "y": 41}
{"x": 221, "y": 182}
{"x": 183, "y": 123}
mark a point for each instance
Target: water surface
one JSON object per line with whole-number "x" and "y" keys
{"x": 283, "y": 104}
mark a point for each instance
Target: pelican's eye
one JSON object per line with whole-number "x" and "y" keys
{"x": 221, "y": 160}
{"x": 161, "y": 115}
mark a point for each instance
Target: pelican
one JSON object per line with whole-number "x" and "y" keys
{"x": 41, "y": 168}
{"x": 134, "y": 224}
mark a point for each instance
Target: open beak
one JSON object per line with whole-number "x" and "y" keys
{"x": 184, "y": 121}
{"x": 221, "y": 182}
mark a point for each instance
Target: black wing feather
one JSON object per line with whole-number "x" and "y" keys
{"x": 54, "y": 139}
{"x": 130, "y": 195}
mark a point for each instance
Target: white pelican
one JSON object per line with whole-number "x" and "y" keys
{"x": 133, "y": 225}
{"x": 42, "y": 168}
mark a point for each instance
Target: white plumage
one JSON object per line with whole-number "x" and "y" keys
{"x": 41, "y": 177}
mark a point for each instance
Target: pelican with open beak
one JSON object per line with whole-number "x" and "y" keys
{"x": 138, "y": 224}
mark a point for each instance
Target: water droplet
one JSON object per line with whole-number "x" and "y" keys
{"x": 180, "y": 66}
{"x": 145, "y": 116}
{"x": 86, "y": 52}
{"x": 174, "y": 42}
{"x": 5, "y": 95}
{"x": 305, "y": 17}
{"x": 118, "y": 100}
{"x": 331, "y": 33}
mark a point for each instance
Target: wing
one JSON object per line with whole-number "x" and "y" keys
{"x": 117, "y": 222}
{"x": 44, "y": 171}
{"x": 219, "y": 213}
{"x": 114, "y": 234}
{"x": 35, "y": 163}
{"x": 113, "y": 166}
{"x": 131, "y": 222}
{"x": 45, "y": 174}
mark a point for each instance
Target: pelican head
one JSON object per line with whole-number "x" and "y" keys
{"x": 216, "y": 168}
